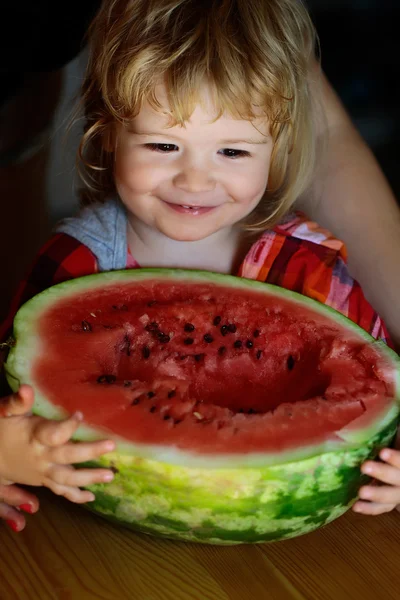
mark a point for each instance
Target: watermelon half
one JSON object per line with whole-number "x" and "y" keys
{"x": 242, "y": 411}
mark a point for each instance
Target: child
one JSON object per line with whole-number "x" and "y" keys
{"x": 199, "y": 139}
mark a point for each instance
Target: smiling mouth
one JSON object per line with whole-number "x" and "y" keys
{"x": 190, "y": 210}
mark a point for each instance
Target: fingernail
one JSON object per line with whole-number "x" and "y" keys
{"x": 385, "y": 454}
{"x": 109, "y": 446}
{"x": 367, "y": 469}
{"x": 78, "y": 415}
{"x": 26, "y": 508}
{"x": 108, "y": 476}
{"x": 12, "y": 525}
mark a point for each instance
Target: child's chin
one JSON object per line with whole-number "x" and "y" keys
{"x": 188, "y": 235}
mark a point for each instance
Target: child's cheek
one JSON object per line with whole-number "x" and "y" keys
{"x": 248, "y": 186}
{"x": 138, "y": 178}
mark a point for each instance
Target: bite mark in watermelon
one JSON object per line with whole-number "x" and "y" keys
{"x": 241, "y": 411}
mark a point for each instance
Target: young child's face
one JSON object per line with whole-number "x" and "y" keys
{"x": 190, "y": 182}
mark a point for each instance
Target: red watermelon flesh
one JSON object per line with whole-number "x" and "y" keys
{"x": 207, "y": 368}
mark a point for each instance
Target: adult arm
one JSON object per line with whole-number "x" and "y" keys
{"x": 351, "y": 197}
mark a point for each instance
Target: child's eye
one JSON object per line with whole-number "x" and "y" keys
{"x": 231, "y": 153}
{"x": 165, "y": 148}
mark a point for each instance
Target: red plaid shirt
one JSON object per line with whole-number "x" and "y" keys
{"x": 284, "y": 257}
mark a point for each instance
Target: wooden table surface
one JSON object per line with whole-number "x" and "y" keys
{"x": 67, "y": 553}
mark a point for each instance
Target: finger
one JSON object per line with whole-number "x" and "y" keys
{"x": 70, "y": 477}
{"x": 74, "y": 453}
{"x": 372, "y": 508}
{"x": 15, "y": 496}
{"x": 19, "y": 403}
{"x": 382, "y": 472}
{"x": 383, "y": 494}
{"x": 55, "y": 433}
{"x": 392, "y": 457}
{"x": 73, "y": 494}
{"x": 14, "y": 519}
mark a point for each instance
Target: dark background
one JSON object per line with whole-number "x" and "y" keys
{"x": 360, "y": 50}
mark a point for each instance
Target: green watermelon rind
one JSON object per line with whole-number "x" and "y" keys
{"x": 233, "y": 505}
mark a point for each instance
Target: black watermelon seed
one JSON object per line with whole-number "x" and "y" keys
{"x": 151, "y": 303}
{"x": 241, "y": 410}
{"x": 86, "y": 326}
{"x": 171, "y": 393}
{"x": 217, "y": 321}
{"x": 135, "y": 401}
{"x": 151, "y": 394}
{"x": 232, "y": 328}
{"x": 259, "y": 354}
{"x": 237, "y": 344}
{"x": 120, "y": 307}
{"x": 249, "y": 344}
{"x": 106, "y": 379}
{"x": 163, "y": 338}
{"x": 256, "y": 333}
{"x": 189, "y": 327}
{"x": 208, "y": 338}
{"x": 127, "y": 346}
{"x": 182, "y": 357}
{"x": 146, "y": 352}
{"x": 153, "y": 409}
{"x": 188, "y": 341}
{"x": 221, "y": 350}
{"x": 290, "y": 363}
{"x": 166, "y": 417}
{"x": 198, "y": 357}
{"x": 224, "y": 329}
{"x": 177, "y": 421}
{"x": 152, "y": 327}
{"x": 252, "y": 411}
{"x": 127, "y": 383}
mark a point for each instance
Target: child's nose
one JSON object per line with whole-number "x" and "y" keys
{"x": 194, "y": 180}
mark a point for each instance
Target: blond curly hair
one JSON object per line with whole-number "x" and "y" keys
{"x": 251, "y": 53}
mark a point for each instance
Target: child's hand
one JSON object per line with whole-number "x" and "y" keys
{"x": 36, "y": 451}
{"x": 378, "y": 499}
